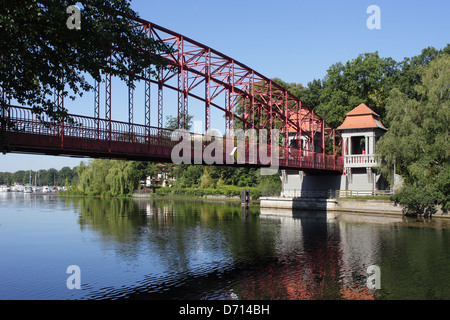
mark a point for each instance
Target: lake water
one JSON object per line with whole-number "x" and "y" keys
{"x": 176, "y": 249}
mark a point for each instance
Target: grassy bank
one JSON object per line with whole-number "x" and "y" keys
{"x": 226, "y": 191}
{"x": 106, "y": 194}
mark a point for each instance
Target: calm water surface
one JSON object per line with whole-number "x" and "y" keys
{"x": 173, "y": 249}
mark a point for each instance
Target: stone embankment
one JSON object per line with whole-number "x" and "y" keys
{"x": 335, "y": 206}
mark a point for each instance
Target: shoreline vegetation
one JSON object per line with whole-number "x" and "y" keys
{"x": 110, "y": 178}
{"x": 226, "y": 193}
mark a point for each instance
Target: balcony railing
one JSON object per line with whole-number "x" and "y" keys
{"x": 297, "y": 193}
{"x": 360, "y": 160}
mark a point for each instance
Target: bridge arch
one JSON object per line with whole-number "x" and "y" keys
{"x": 261, "y": 99}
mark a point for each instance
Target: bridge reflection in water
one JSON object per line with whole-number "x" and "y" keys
{"x": 209, "y": 251}
{"x": 187, "y": 249}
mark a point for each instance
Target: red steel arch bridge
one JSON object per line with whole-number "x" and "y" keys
{"x": 247, "y": 99}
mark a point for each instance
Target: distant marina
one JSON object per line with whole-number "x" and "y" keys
{"x": 17, "y": 187}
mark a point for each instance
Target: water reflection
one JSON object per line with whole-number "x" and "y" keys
{"x": 312, "y": 263}
{"x": 248, "y": 257}
{"x": 114, "y": 219}
{"x": 167, "y": 249}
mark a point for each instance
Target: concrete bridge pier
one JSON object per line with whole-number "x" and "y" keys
{"x": 297, "y": 183}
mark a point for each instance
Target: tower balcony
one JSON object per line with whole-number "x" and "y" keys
{"x": 360, "y": 161}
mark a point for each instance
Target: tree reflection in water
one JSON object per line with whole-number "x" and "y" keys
{"x": 210, "y": 250}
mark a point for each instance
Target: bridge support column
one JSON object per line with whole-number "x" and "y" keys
{"x": 297, "y": 183}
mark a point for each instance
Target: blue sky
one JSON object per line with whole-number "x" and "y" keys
{"x": 294, "y": 40}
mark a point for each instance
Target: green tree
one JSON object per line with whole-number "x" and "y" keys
{"x": 41, "y": 55}
{"x": 92, "y": 177}
{"x": 189, "y": 175}
{"x": 296, "y": 89}
{"x": 409, "y": 75}
{"x": 109, "y": 177}
{"x": 80, "y": 169}
{"x": 366, "y": 79}
{"x": 267, "y": 183}
{"x": 179, "y": 122}
{"x": 417, "y": 200}
{"x": 52, "y": 177}
{"x": 19, "y": 176}
{"x": 66, "y": 174}
{"x": 418, "y": 140}
{"x": 42, "y": 177}
{"x": 151, "y": 169}
{"x": 205, "y": 180}
{"x": 122, "y": 177}
{"x": 3, "y": 178}
{"x": 311, "y": 94}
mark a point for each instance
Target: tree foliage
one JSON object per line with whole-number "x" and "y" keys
{"x": 40, "y": 55}
{"x": 109, "y": 177}
{"x": 41, "y": 178}
{"x": 179, "y": 122}
{"x": 416, "y": 200}
{"x": 366, "y": 79}
{"x": 418, "y": 140}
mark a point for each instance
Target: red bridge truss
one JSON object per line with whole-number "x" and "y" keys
{"x": 248, "y": 100}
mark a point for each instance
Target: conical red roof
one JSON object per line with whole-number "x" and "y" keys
{"x": 360, "y": 110}
{"x": 361, "y": 117}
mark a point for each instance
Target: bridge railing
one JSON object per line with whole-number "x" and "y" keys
{"x": 314, "y": 160}
{"x": 362, "y": 193}
{"x": 87, "y": 128}
{"x": 296, "y": 193}
{"x": 23, "y": 121}
{"x": 95, "y": 129}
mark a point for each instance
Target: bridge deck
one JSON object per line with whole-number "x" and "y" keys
{"x": 99, "y": 138}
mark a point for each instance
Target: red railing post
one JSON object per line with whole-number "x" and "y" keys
{"x": 62, "y": 134}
